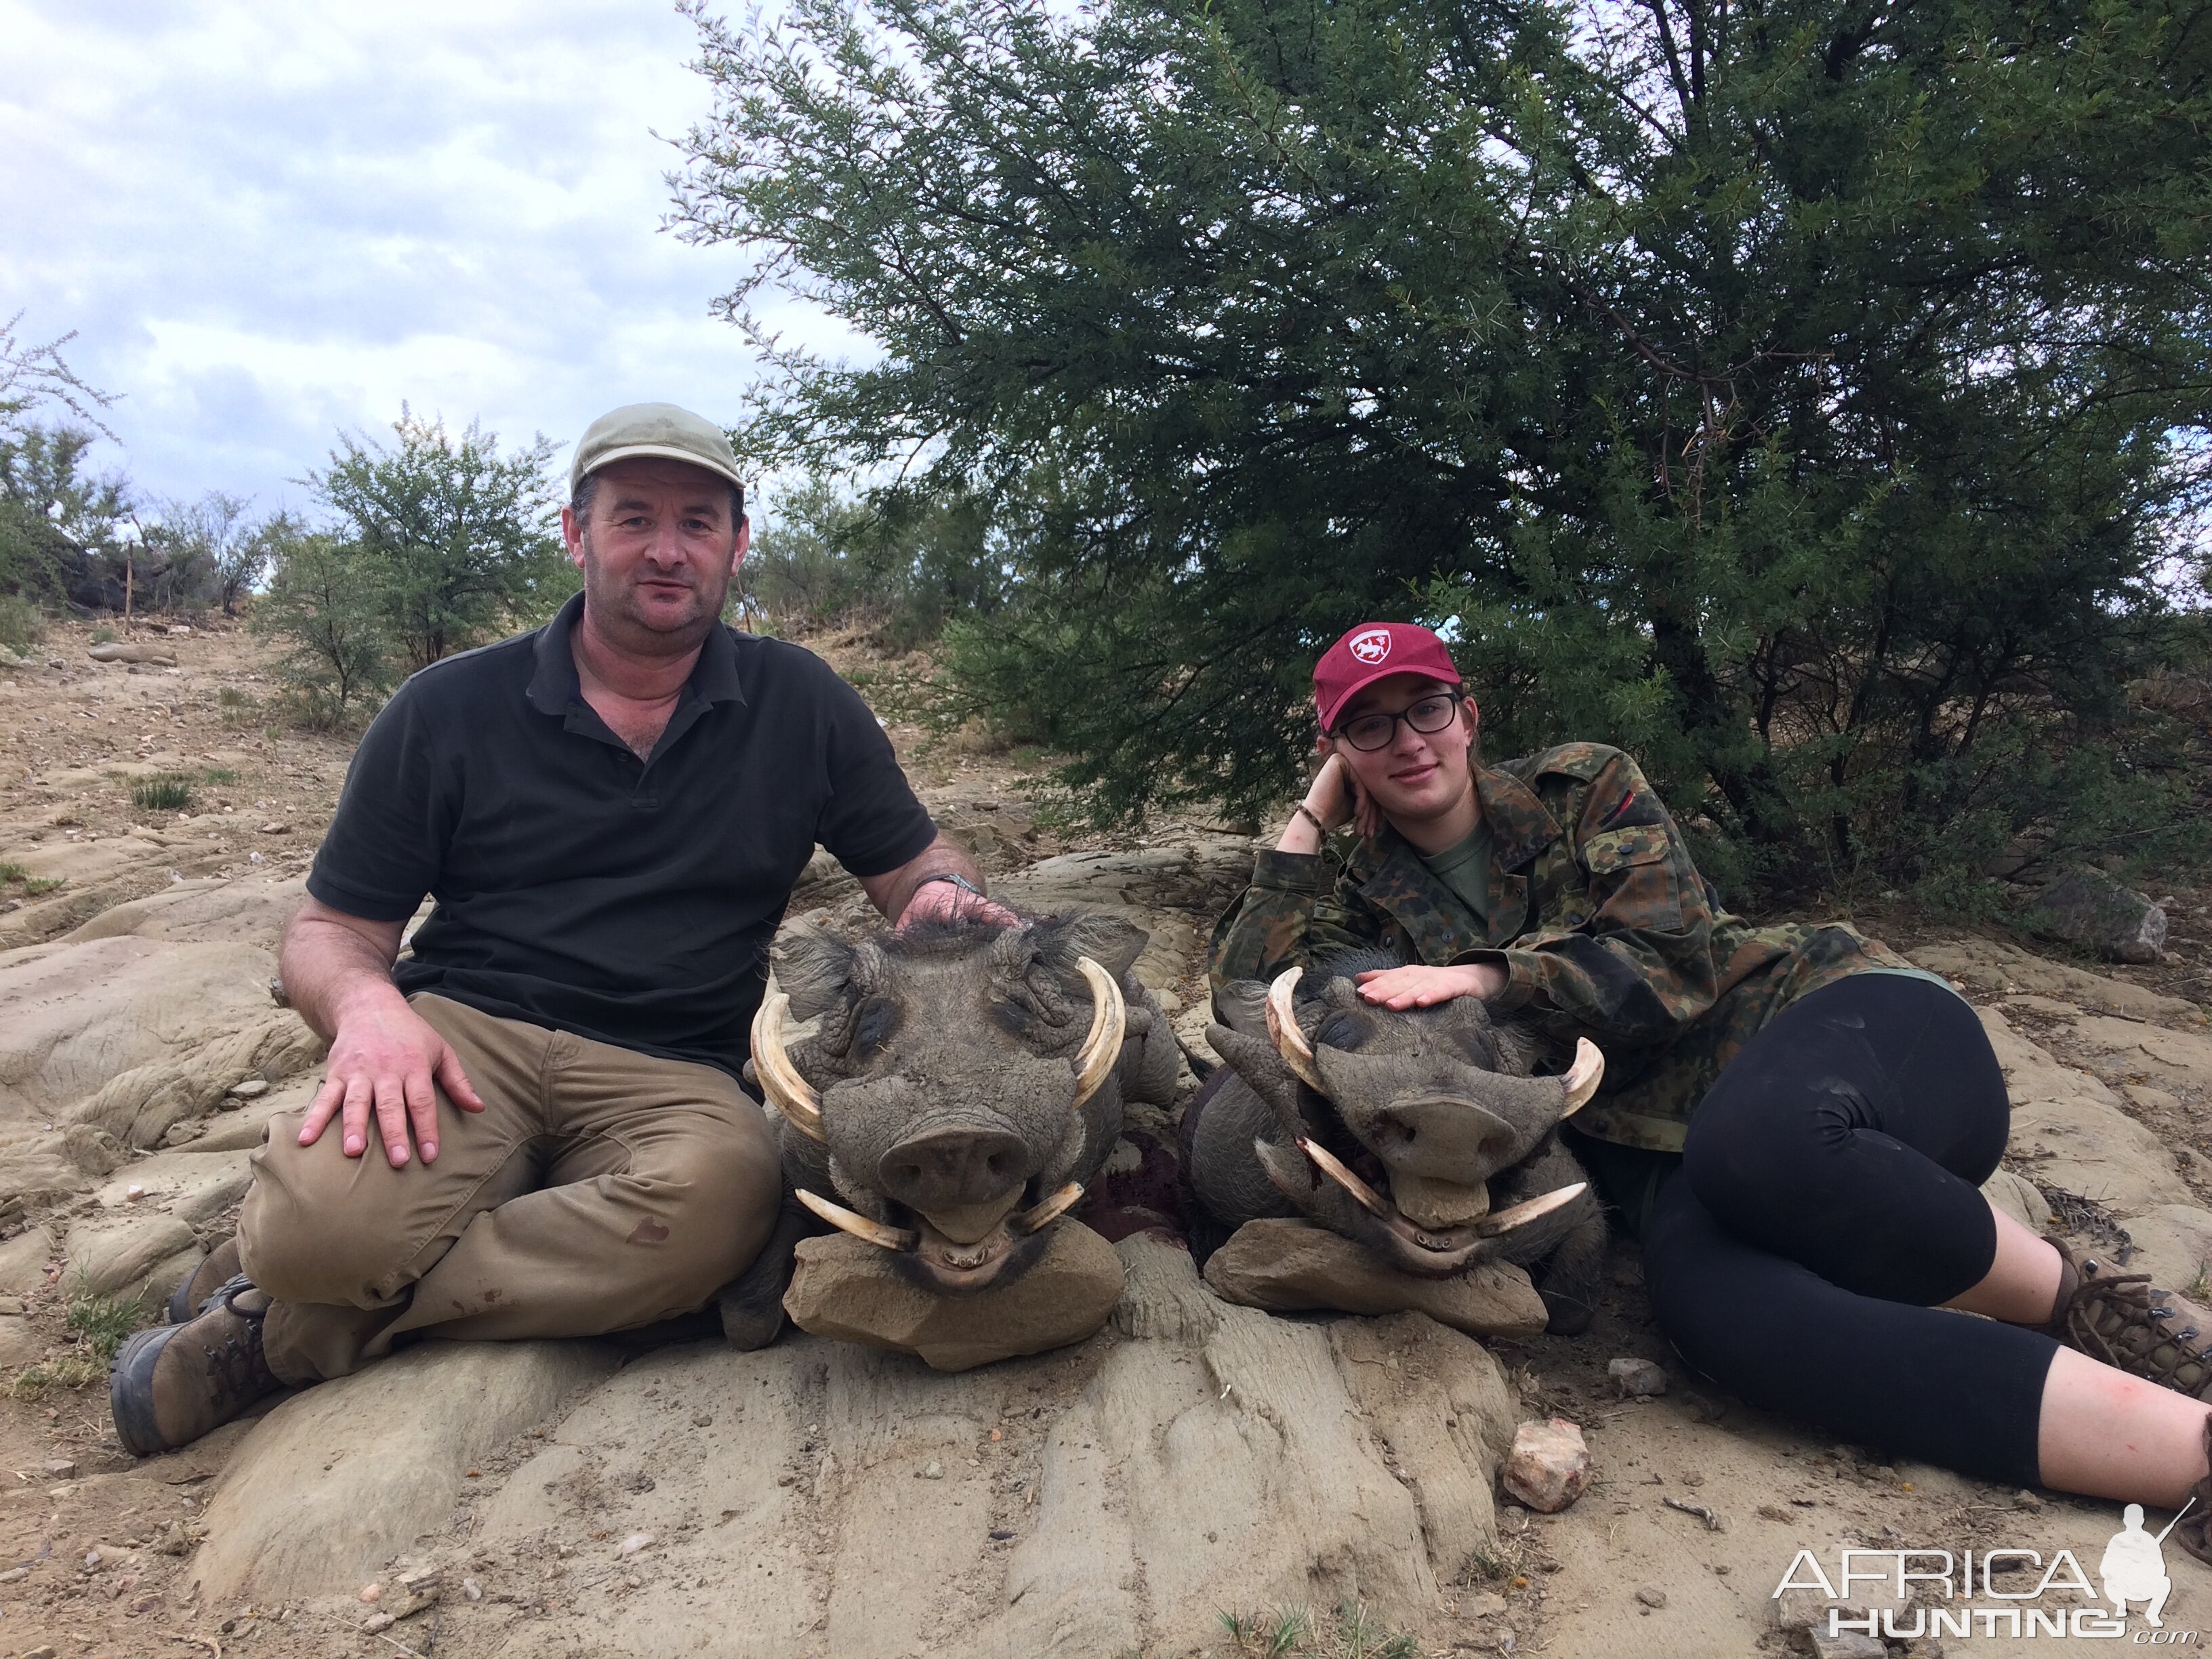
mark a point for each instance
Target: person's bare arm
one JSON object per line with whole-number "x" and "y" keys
{"x": 901, "y": 897}
{"x": 336, "y": 971}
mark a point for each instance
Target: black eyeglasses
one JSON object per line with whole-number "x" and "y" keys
{"x": 1428, "y": 716}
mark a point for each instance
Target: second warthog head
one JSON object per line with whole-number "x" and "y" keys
{"x": 959, "y": 1091}
{"x": 1424, "y": 1110}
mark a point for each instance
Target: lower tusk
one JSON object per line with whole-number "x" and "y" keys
{"x": 1043, "y": 1215}
{"x": 1582, "y": 1078}
{"x": 1283, "y": 1029}
{"x": 1327, "y": 1163}
{"x": 848, "y": 1221}
{"x": 1520, "y": 1214}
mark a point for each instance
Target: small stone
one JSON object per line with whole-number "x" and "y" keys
{"x": 1772, "y": 1512}
{"x": 1846, "y": 1644}
{"x": 251, "y": 1087}
{"x": 273, "y": 829}
{"x": 92, "y": 1560}
{"x": 60, "y": 1468}
{"x": 933, "y": 1470}
{"x": 2028, "y": 1500}
{"x": 633, "y": 1581}
{"x": 635, "y": 1542}
{"x": 1548, "y": 1466}
{"x": 703, "y": 1419}
{"x": 41, "y": 1651}
{"x": 471, "y": 1590}
{"x": 1487, "y": 1604}
{"x": 371, "y": 1592}
{"x": 1652, "y": 1596}
{"x": 377, "y": 1621}
{"x": 15, "y": 1575}
{"x": 1637, "y": 1379}
{"x": 183, "y": 1132}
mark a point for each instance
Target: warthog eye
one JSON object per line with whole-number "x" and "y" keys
{"x": 1345, "y": 1029}
{"x": 873, "y": 1026}
{"x": 1481, "y": 1044}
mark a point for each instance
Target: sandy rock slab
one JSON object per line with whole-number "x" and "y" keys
{"x": 1294, "y": 1267}
{"x": 342, "y": 1477}
{"x": 852, "y": 1291}
{"x": 827, "y": 1497}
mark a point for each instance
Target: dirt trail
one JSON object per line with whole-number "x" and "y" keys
{"x": 1192, "y": 1461}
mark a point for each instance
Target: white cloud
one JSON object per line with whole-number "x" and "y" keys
{"x": 268, "y": 222}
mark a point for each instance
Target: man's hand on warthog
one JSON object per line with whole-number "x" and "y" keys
{"x": 1424, "y": 987}
{"x": 384, "y": 1059}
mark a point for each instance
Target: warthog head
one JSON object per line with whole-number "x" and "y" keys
{"x": 961, "y": 1089}
{"x": 1420, "y": 1133}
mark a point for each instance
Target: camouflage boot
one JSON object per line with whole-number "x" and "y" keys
{"x": 2121, "y": 1318}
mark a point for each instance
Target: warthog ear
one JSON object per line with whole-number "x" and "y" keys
{"x": 1112, "y": 942}
{"x": 815, "y": 970}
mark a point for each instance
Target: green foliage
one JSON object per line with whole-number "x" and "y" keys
{"x": 60, "y": 528}
{"x": 220, "y": 774}
{"x": 460, "y": 535}
{"x": 165, "y": 792}
{"x": 103, "y": 635}
{"x": 104, "y": 1323}
{"x": 327, "y": 599}
{"x": 1348, "y": 1634}
{"x": 210, "y": 552}
{"x": 1806, "y": 396}
{"x": 900, "y": 567}
{"x": 22, "y": 625}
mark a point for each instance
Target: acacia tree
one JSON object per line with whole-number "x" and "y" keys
{"x": 1808, "y": 394}
{"x": 461, "y": 535}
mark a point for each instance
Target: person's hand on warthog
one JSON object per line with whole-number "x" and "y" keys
{"x": 1423, "y": 987}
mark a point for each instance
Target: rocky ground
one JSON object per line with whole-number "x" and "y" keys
{"x": 1198, "y": 1479}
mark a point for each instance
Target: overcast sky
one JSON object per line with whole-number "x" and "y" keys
{"x": 269, "y": 222}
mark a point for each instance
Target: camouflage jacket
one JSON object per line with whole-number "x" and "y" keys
{"x": 1597, "y": 915}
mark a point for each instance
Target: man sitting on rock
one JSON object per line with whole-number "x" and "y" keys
{"x": 610, "y": 812}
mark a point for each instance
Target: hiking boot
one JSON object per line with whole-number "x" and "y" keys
{"x": 171, "y": 1384}
{"x": 2122, "y": 1320}
{"x": 204, "y": 1281}
{"x": 2192, "y": 1528}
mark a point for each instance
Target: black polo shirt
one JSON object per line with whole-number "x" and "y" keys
{"x": 580, "y": 888}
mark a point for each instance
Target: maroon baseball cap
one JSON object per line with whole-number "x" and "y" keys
{"x": 1372, "y": 652}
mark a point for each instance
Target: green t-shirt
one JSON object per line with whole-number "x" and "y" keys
{"x": 1465, "y": 869}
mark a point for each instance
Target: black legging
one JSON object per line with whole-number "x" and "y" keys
{"x": 1826, "y": 1201}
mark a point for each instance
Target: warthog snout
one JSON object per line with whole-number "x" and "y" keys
{"x": 954, "y": 1167}
{"x": 1444, "y": 1138}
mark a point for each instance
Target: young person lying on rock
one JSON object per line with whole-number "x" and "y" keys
{"x": 539, "y": 1127}
{"x": 1795, "y": 1121}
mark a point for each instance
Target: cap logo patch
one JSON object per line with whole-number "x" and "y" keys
{"x": 1370, "y": 647}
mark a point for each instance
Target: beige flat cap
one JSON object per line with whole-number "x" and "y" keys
{"x": 662, "y": 430}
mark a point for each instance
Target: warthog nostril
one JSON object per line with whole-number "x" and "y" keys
{"x": 947, "y": 1168}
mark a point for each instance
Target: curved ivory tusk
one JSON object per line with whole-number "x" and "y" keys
{"x": 1520, "y": 1214}
{"x": 1041, "y": 1216}
{"x": 1283, "y": 1027}
{"x": 849, "y": 1221}
{"x": 1582, "y": 1078}
{"x": 1327, "y": 1163}
{"x": 1109, "y": 1023}
{"x": 788, "y": 1093}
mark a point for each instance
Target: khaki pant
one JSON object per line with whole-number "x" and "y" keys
{"x": 598, "y": 1190}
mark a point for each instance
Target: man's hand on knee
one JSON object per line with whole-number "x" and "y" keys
{"x": 384, "y": 1060}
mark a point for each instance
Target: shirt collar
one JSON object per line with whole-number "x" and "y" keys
{"x": 554, "y": 685}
